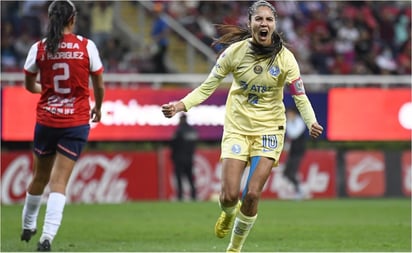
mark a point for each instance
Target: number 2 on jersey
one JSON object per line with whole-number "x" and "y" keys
{"x": 65, "y": 76}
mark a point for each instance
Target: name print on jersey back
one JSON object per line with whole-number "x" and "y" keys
{"x": 65, "y": 79}
{"x": 66, "y": 55}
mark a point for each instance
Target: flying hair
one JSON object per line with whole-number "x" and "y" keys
{"x": 233, "y": 33}
{"x": 60, "y": 13}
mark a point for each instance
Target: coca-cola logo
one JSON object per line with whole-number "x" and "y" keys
{"x": 95, "y": 178}
{"x": 15, "y": 179}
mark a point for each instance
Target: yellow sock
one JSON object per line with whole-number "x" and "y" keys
{"x": 240, "y": 231}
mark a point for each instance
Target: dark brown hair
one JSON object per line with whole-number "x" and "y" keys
{"x": 60, "y": 14}
{"x": 232, "y": 34}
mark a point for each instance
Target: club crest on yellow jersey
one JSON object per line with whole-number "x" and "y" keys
{"x": 258, "y": 69}
{"x": 274, "y": 70}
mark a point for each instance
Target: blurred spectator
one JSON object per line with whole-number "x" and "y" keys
{"x": 101, "y": 22}
{"x": 364, "y": 45}
{"x": 386, "y": 28}
{"x": 33, "y": 14}
{"x": 360, "y": 68}
{"x": 318, "y": 25}
{"x": 112, "y": 55}
{"x": 83, "y": 19}
{"x": 205, "y": 23}
{"x": 22, "y": 46}
{"x": 347, "y": 35}
{"x": 233, "y": 13}
{"x": 10, "y": 13}
{"x": 386, "y": 61}
{"x": 320, "y": 56}
{"x": 340, "y": 66}
{"x": 9, "y": 55}
{"x": 402, "y": 30}
{"x": 301, "y": 48}
{"x": 319, "y": 32}
{"x": 160, "y": 36}
{"x": 361, "y": 13}
{"x": 404, "y": 58}
{"x": 183, "y": 146}
{"x": 296, "y": 138}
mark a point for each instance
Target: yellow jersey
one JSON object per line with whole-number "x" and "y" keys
{"x": 254, "y": 104}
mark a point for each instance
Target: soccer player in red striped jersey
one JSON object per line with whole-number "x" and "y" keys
{"x": 65, "y": 62}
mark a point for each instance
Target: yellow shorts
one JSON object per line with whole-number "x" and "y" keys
{"x": 242, "y": 147}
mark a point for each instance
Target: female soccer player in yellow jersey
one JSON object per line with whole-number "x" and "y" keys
{"x": 254, "y": 126}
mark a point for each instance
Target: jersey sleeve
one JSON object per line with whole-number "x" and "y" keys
{"x": 217, "y": 74}
{"x": 30, "y": 66}
{"x": 96, "y": 65}
{"x": 293, "y": 72}
{"x": 202, "y": 92}
{"x": 305, "y": 109}
{"x": 297, "y": 90}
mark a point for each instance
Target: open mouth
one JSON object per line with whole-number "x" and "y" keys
{"x": 263, "y": 34}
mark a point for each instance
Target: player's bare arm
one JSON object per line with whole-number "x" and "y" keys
{"x": 31, "y": 84}
{"x": 98, "y": 87}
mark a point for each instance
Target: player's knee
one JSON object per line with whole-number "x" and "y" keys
{"x": 40, "y": 179}
{"x": 228, "y": 198}
{"x": 252, "y": 196}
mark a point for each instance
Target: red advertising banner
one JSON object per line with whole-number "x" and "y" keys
{"x": 365, "y": 173}
{"x": 317, "y": 172}
{"x": 369, "y": 114}
{"x": 406, "y": 173}
{"x": 97, "y": 177}
{"x": 106, "y": 177}
{"x": 127, "y": 114}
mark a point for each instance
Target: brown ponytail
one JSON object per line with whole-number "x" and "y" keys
{"x": 60, "y": 14}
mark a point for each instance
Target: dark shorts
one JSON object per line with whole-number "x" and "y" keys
{"x": 67, "y": 141}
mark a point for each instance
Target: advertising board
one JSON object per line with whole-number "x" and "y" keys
{"x": 364, "y": 114}
{"x": 132, "y": 114}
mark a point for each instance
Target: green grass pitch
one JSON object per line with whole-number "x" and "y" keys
{"x": 343, "y": 225}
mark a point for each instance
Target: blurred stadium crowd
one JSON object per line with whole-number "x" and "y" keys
{"x": 328, "y": 37}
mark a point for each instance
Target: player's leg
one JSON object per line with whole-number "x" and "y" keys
{"x": 57, "y": 198}
{"x": 265, "y": 153}
{"x": 41, "y": 173}
{"x": 44, "y": 144}
{"x": 191, "y": 180}
{"x": 291, "y": 170}
{"x": 229, "y": 203}
{"x": 247, "y": 214}
{"x": 235, "y": 153}
{"x": 69, "y": 149}
{"x": 179, "y": 183}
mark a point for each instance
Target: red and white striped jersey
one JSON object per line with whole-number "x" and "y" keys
{"x": 64, "y": 78}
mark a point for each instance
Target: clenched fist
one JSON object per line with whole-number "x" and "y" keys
{"x": 315, "y": 130}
